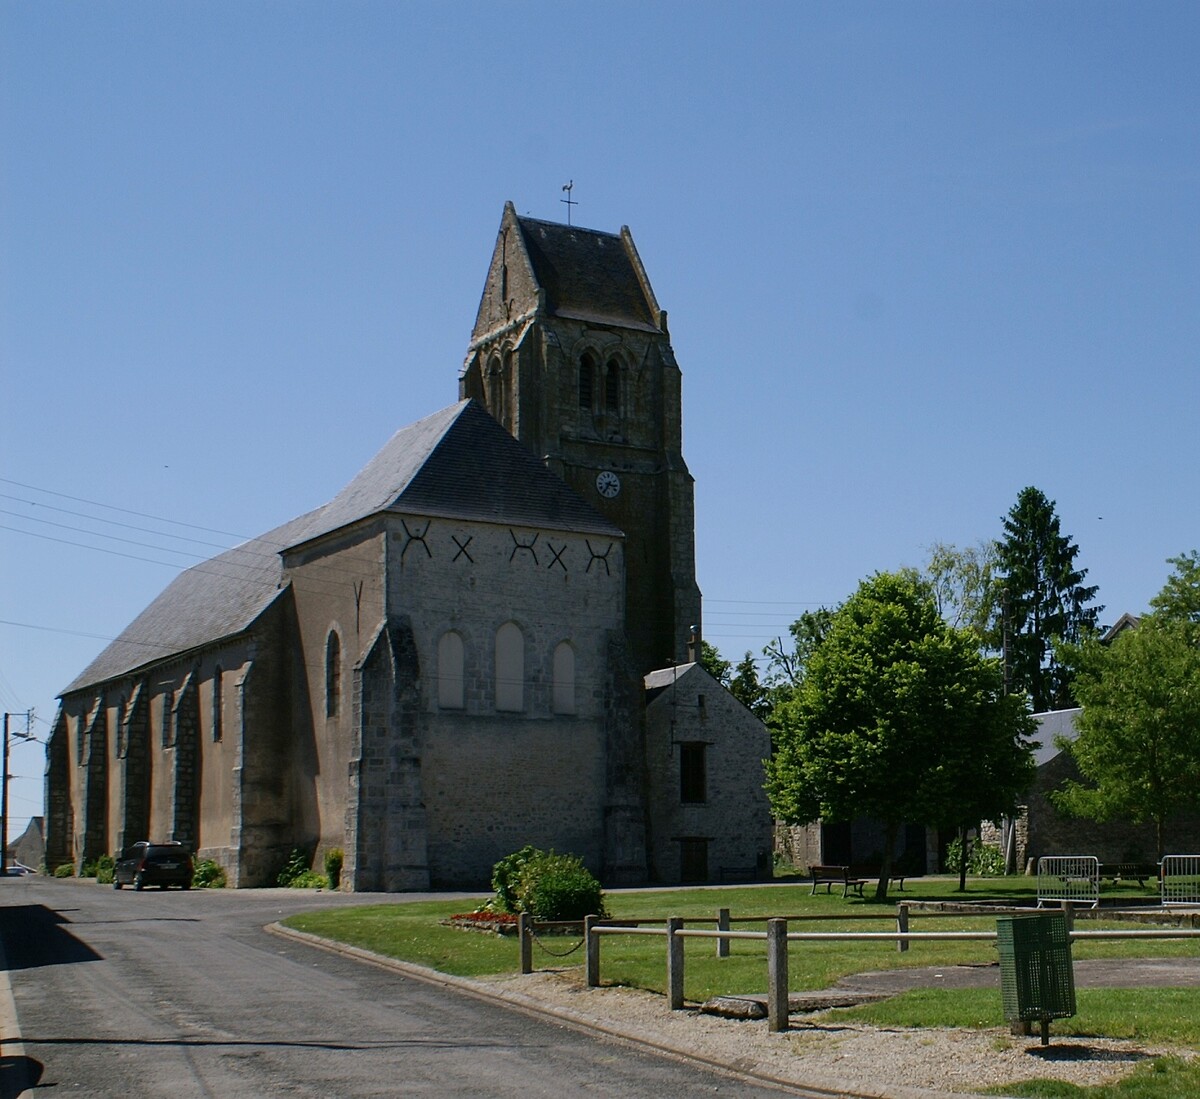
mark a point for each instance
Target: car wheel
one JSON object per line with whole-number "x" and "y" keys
{"x": 187, "y": 885}
{"x": 138, "y": 884}
{"x": 116, "y": 884}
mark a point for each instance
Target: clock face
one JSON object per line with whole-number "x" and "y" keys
{"x": 608, "y": 484}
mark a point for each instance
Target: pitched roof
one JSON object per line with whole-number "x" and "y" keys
{"x": 590, "y": 275}
{"x": 457, "y": 464}
{"x": 460, "y": 464}
{"x": 218, "y": 598}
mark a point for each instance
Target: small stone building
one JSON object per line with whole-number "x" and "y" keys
{"x": 445, "y": 662}
{"x": 1045, "y": 831}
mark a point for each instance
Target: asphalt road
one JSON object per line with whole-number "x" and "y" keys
{"x": 183, "y": 994}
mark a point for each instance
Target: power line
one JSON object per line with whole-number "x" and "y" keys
{"x": 124, "y": 511}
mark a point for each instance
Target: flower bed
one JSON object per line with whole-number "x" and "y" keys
{"x": 498, "y": 923}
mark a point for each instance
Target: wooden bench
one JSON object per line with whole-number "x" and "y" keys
{"x": 895, "y": 878}
{"x": 1140, "y": 872}
{"x": 829, "y": 876}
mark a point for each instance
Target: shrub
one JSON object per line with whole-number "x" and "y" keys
{"x": 984, "y": 859}
{"x": 333, "y": 866}
{"x": 99, "y": 868}
{"x": 64, "y": 871}
{"x": 104, "y": 870}
{"x": 505, "y": 876}
{"x": 209, "y": 875}
{"x": 309, "y": 879}
{"x": 559, "y": 887}
{"x": 298, "y": 863}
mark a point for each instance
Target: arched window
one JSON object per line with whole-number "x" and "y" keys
{"x": 450, "y": 671}
{"x": 510, "y": 668}
{"x": 218, "y": 704}
{"x": 612, "y": 387}
{"x": 564, "y": 678}
{"x": 587, "y": 372}
{"x": 333, "y": 674}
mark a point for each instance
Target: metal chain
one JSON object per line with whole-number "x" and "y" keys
{"x": 554, "y": 954}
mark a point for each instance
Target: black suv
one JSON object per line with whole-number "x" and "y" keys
{"x": 160, "y": 864}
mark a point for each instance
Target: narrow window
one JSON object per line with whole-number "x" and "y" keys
{"x": 450, "y": 671}
{"x": 510, "y": 668}
{"x": 693, "y": 781}
{"x": 333, "y": 674}
{"x": 168, "y": 720}
{"x": 587, "y": 368}
{"x": 693, "y": 860}
{"x": 612, "y": 387}
{"x": 564, "y": 679}
{"x": 218, "y": 703}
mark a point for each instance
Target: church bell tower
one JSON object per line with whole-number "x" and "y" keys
{"x": 571, "y": 353}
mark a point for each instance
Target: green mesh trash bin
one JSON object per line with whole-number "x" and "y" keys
{"x": 1037, "y": 981}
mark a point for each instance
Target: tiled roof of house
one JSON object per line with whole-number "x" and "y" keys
{"x": 456, "y": 464}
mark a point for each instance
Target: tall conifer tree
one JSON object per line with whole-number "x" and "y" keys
{"x": 1043, "y": 599}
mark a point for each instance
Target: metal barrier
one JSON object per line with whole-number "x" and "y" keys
{"x": 1073, "y": 878}
{"x": 1180, "y": 879}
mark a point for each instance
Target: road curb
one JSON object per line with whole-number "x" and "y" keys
{"x": 589, "y": 1023}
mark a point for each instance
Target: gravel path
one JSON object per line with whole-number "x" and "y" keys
{"x": 838, "y": 1057}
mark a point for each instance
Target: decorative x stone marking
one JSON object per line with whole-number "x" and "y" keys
{"x": 419, "y": 537}
{"x": 517, "y": 546}
{"x": 557, "y": 556}
{"x": 462, "y": 548}
{"x": 601, "y": 557}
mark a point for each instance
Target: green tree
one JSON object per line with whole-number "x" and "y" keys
{"x": 1179, "y": 601}
{"x": 964, "y": 585}
{"x": 787, "y": 661}
{"x": 746, "y": 687}
{"x": 1138, "y": 747}
{"x": 713, "y": 663}
{"x": 1044, "y": 599}
{"x": 899, "y": 717}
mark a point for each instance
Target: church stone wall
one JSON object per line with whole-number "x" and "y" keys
{"x": 338, "y": 587}
{"x": 492, "y": 780}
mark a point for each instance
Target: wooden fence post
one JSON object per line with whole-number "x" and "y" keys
{"x": 674, "y": 963}
{"x": 902, "y": 925}
{"x": 777, "y": 976}
{"x": 524, "y": 933}
{"x": 592, "y": 951}
{"x": 723, "y": 925}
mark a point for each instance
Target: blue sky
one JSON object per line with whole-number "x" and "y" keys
{"x": 915, "y": 258}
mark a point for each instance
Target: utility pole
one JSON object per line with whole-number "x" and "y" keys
{"x": 4, "y": 790}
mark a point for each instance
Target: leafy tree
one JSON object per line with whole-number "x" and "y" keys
{"x": 748, "y": 690}
{"x": 1044, "y": 599}
{"x": 1179, "y": 601}
{"x": 787, "y": 662}
{"x": 964, "y": 585}
{"x": 713, "y": 663}
{"x": 1138, "y": 746}
{"x": 899, "y": 717}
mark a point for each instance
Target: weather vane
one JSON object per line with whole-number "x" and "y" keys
{"x": 569, "y": 200}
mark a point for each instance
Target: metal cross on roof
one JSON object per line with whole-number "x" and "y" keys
{"x": 569, "y": 200}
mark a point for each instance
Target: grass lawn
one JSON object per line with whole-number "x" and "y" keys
{"x": 411, "y": 932}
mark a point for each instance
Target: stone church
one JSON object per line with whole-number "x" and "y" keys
{"x": 485, "y": 640}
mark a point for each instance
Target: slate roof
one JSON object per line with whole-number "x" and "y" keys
{"x": 660, "y": 679}
{"x": 460, "y": 464}
{"x": 588, "y": 275}
{"x": 1053, "y": 724}
{"x": 456, "y": 464}
{"x": 218, "y": 598}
